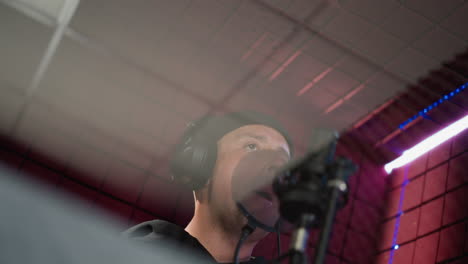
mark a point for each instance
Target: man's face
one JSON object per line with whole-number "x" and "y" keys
{"x": 232, "y": 148}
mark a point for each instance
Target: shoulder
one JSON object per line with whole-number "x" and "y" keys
{"x": 154, "y": 229}
{"x": 161, "y": 233}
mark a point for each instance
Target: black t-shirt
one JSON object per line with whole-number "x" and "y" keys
{"x": 163, "y": 234}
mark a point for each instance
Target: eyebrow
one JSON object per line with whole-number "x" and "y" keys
{"x": 259, "y": 137}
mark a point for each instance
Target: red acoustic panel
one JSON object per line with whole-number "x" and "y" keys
{"x": 456, "y": 204}
{"x": 431, "y": 216}
{"x": 404, "y": 254}
{"x": 10, "y": 160}
{"x": 439, "y": 154}
{"x": 383, "y": 258}
{"x": 139, "y": 216}
{"x": 89, "y": 165}
{"x": 82, "y": 192}
{"x": 124, "y": 181}
{"x": 451, "y": 242}
{"x": 266, "y": 247}
{"x": 460, "y": 143}
{"x": 365, "y": 218}
{"x": 386, "y": 236}
{"x": 353, "y": 182}
{"x": 57, "y": 146}
{"x": 337, "y": 239}
{"x": 393, "y": 201}
{"x": 425, "y": 251}
{"x": 372, "y": 184}
{"x": 418, "y": 166}
{"x": 413, "y": 193}
{"x": 161, "y": 169}
{"x": 398, "y": 176}
{"x": 344, "y": 214}
{"x": 435, "y": 182}
{"x": 40, "y": 173}
{"x": 118, "y": 209}
{"x": 457, "y": 171}
{"x": 329, "y": 259}
{"x": 185, "y": 208}
{"x": 358, "y": 248}
{"x": 160, "y": 197}
{"x": 408, "y": 226}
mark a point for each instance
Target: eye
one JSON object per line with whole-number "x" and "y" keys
{"x": 251, "y": 146}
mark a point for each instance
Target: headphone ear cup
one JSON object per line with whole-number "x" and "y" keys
{"x": 194, "y": 159}
{"x": 203, "y": 159}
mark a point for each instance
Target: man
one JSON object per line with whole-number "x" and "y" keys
{"x": 206, "y": 159}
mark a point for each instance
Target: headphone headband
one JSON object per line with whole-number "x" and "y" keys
{"x": 195, "y": 156}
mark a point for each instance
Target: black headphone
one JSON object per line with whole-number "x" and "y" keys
{"x": 195, "y": 156}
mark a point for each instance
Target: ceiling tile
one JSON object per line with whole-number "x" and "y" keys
{"x": 323, "y": 50}
{"x": 336, "y": 82}
{"x": 264, "y": 100}
{"x": 188, "y": 106}
{"x": 280, "y": 49}
{"x": 22, "y": 45}
{"x": 440, "y": 44}
{"x": 320, "y": 14}
{"x": 412, "y": 65}
{"x": 344, "y": 115}
{"x": 122, "y": 25}
{"x": 379, "y": 46}
{"x": 374, "y": 11}
{"x": 11, "y": 102}
{"x": 358, "y": 67}
{"x": 383, "y": 81}
{"x": 304, "y": 67}
{"x": 273, "y": 22}
{"x": 237, "y": 36}
{"x": 406, "y": 24}
{"x": 372, "y": 96}
{"x": 457, "y": 22}
{"x": 281, "y": 4}
{"x": 261, "y": 63}
{"x": 347, "y": 28}
{"x": 319, "y": 98}
{"x": 201, "y": 20}
{"x": 148, "y": 118}
{"x": 433, "y": 9}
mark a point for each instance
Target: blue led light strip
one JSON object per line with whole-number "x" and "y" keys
{"x": 434, "y": 105}
{"x": 395, "y": 246}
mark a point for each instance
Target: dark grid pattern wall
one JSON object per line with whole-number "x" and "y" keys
{"x": 430, "y": 223}
{"x": 356, "y": 230}
{"x": 120, "y": 189}
{"x": 133, "y": 196}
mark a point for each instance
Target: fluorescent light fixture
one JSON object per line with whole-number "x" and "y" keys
{"x": 428, "y": 144}
{"x": 38, "y": 8}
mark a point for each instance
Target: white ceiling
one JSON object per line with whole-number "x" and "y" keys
{"x": 129, "y": 75}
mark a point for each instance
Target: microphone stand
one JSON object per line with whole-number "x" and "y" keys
{"x": 309, "y": 196}
{"x": 338, "y": 187}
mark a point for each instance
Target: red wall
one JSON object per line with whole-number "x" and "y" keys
{"x": 432, "y": 228}
{"x": 434, "y": 224}
{"x": 356, "y": 230}
{"x": 134, "y": 196}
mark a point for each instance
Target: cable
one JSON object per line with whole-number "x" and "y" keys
{"x": 278, "y": 238}
{"x": 246, "y": 231}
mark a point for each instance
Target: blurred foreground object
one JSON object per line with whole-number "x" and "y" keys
{"x": 40, "y": 226}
